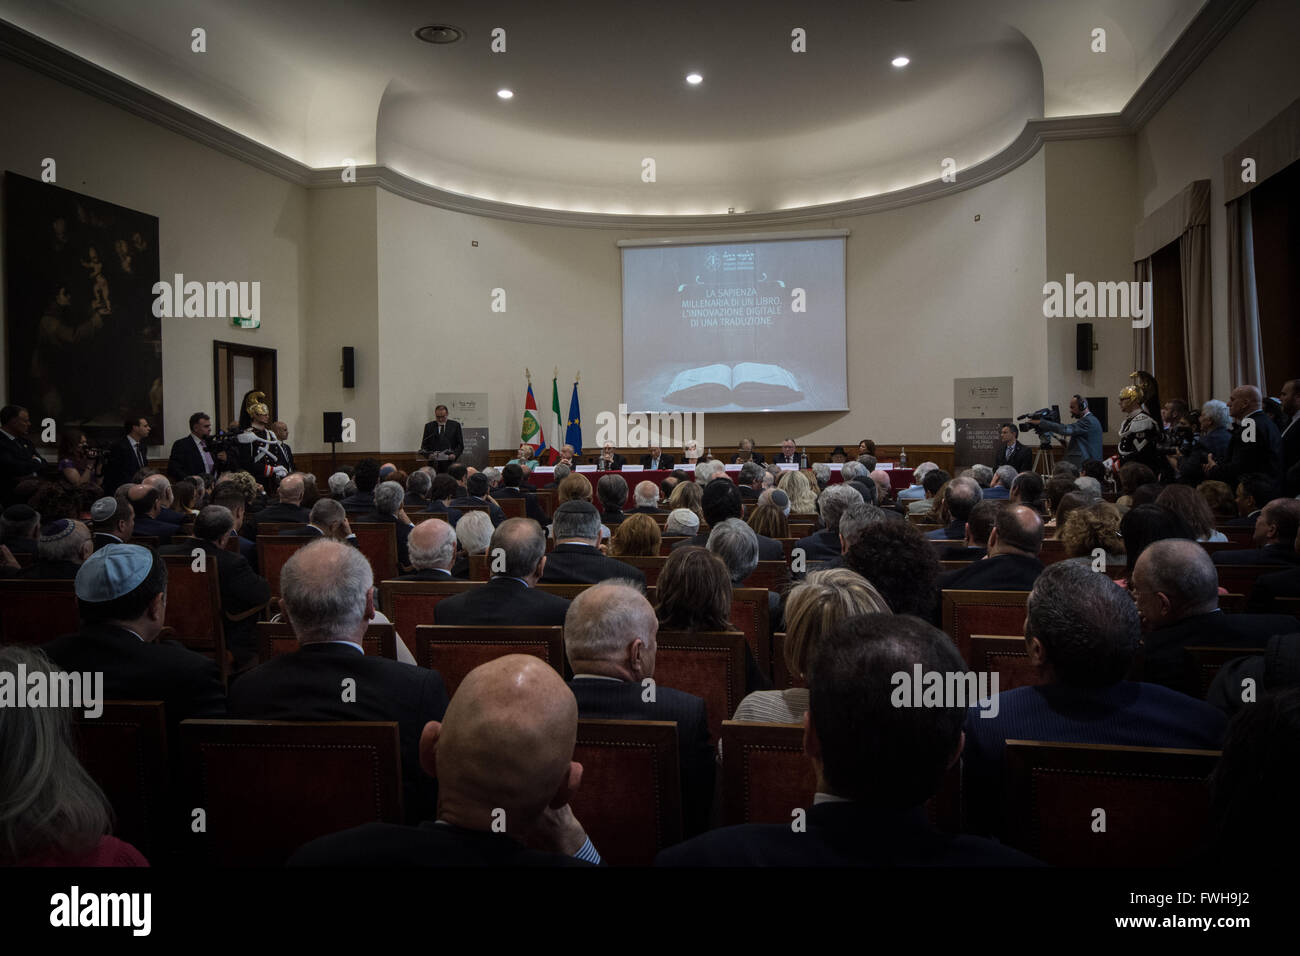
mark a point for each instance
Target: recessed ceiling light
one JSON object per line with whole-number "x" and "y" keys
{"x": 900, "y": 61}
{"x": 440, "y": 33}
{"x": 694, "y": 79}
{"x": 505, "y": 94}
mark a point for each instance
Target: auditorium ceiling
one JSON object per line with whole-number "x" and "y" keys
{"x": 599, "y": 87}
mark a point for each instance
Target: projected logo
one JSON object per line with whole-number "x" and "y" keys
{"x": 712, "y": 262}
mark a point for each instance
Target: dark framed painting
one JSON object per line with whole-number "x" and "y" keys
{"x": 83, "y": 345}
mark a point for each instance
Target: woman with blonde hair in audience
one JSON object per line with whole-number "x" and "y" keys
{"x": 687, "y": 494}
{"x": 575, "y": 487}
{"x": 1093, "y": 527}
{"x": 812, "y": 609}
{"x": 1191, "y": 507}
{"x": 770, "y": 521}
{"x": 637, "y": 535}
{"x": 52, "y": 813}
{"x": 1220, "y": 497}
{"x": 1070, "y": 502}
{"x": 803, "y": 499}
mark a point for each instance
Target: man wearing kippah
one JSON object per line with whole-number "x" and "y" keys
{"x": 122, "y": 601}
{"x": 60, "y": 551}
{"x": 114, "y": 521}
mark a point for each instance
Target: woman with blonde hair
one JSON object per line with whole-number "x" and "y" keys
{"x": 638, "y": 535}
{"x": 573, "y": 488}
{"x": 803, "y": 499}
{"x": 687, "y": 494}
{"x": 812, "y": 608}
{"x": 1095, "y": 526}
{"x": 769, "y": 520}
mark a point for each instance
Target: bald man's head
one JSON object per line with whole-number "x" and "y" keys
{"x": 432, "y": 544}
{"x": 646, "y": 494}
{"x": 505, "y": 743}
{"x": 160, "y": 484}
{"x": 1243, "y": 400}
{"x": 1017, "y": 529}
{"x": 1174, "y": 579}
{"x": 144, "y": 500}
{"x": 291, "y": 489}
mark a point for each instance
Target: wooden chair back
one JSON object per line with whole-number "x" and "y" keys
{"x": 453, "y": 650}
{"x": 982, "y": 612}
{"x": 33, "y": 610}
{"x": 124, "y": 750}
{"x": 276, "y": 637}
{"x": 408, "y": 604}
{"x": 378, "y": 542}
{"x": 708, "y": 664}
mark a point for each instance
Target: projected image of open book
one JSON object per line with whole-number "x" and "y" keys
{"x": 749, "y": 384}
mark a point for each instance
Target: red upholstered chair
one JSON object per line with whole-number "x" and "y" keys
{"x": 649, "y": 566}
{"x": 749, "y": 615}
{"x": 276, "y": 637}
{"x": 1240, "y": 578}
{"x": 455, "y": 650}
{"x": 708, "y": 664}
{"x": 982, "y": 612}
{"x": 666, "y": 544}
{"x": 1156, "y": 802}
{"x": 378, "y": 542}
{"x": 35, "y": 611}
{"x": 765, "y": 774}
{"x": 771, "y": 575}
{"x": 630, "y": 801}
{"x": 408, "y": 604}
{"x": 272, "y": 553}
{"x": 513, "y": 507}
{"x": 267, "y": 787}
{"x": 194, "y": 608}
{"x": 1202, "y": 664}
{"x": 124, "y": 750}
{"x": 1004, "y": 655}
{"x": 480, "y": 567}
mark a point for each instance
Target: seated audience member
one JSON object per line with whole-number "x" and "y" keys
{"x": 689, "y": 495}
{"x": 612, "y": 492}
{"x": 721, "y": 501}
{"x": 866, "y": 447}
{"x": 978, "y": 527}
{"x": 1275, "y": 585}
{"x": 512, "y": 486}
{"x": 803, "y": 499}
{"x": 1012, "y": 563}
{"x": 166, "y": 499}
{"x": 60, "y": 551}
{"x": 432, "y": 546}
{"x": 1144, "y": 525}
{"x": 53, "y": 500}
{"x": 825, "y": 545}
{"x": 442, "y": 489}
{"x": 187, "y": 496}
{"x": 1092, "y": 529}
{"x": 327, "y": 519}
{"x": 769, "y": 521}
{"x": 838, "y": 455}
{"x": 388, "y": 510}
{"x": 337, "y": 483}
{"x": 502, "y": 753}
{"x": 1177, "y": 594}
{"x": 236, "y": 501}
{"x": 1183, "y": 501}
{"x": 1027, "y": 490}
{"x": 114, "y": 521}
{"x": 366, "y": 476}
{"x": 52, "y": 813}
{"x": 310, "y": 493}
{"x": 645, "y": 497}
{"x": 1000, "y": 488}
{"x": 1066, "y": 469}
{"x": 561, "y": 472}
{"x": 1071, "y": 502}
{"x": 857, "y": 477}
{"x": 1132, "y": 476}
{"x": 868, "y": 461}
{"x": 1147, "y": 494}
{"x": 20, "y": 526}
{"x": 1092, "y": 468}
{"x": 737, "y": 545}
{"x": 1081, "y": 634}
{"x": 750, "y": 481}
{"x": 1252, "y": 494}
{"x": 328, "y": 597}
{"x": 493, "y": 475}
{"x": 668, "y": 484}
{"x": 884, "y": 489}
{"x": 121, "y": 600}
{"x": 821, "y": 474}
{"x": 1254, "y": 787}
{"x": 474, "y": 533}
{"x": 963, "y": 495}
{"x": 812, "y": 608}
{"x": 916, "y": 490}
{"x": 932, "y": 483}
{"x": 983, "y": 476}
{"x": 609, "y": 638}
{"x": 510, "y": 596}
{"x": 1055, "y": 490}
{"x": 19, "y": 458}
{"x": 896, "y": 559}
{"x": 637, "y": 535}
{"x": 575, "y": 487}
{"x": 418, "y": 484}
{"x": 1089, "y": 487}
{"x": 242, "y": 589}
{"x": 1221, "y": 499}
{"x": 1242, "y": 681}
{"x": 476, "y": 493}
{"x": 876, "y": 764}
{"x": 1275, "y": 535}
{"x": 524, "y": 460}
{"x": 682, "y": 522}
{"x": 576, "y": 558}
{"x": 287, "y": 509}
{"x": 146, "y": 504}
{"x": 707, "y": 470}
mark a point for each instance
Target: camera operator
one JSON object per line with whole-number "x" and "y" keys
{"x": 79, "y": 463}
{"x": 195, "y": 454}
{"x": 1215, "y": 425}
{"x": 1084, "y": 434}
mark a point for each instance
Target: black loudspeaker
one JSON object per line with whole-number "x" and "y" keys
{"x": 1083, "y": 346}
{"x": 333, "y": 426}
{"x": 1098, "y": 405}
{"x": 349, "y": 368}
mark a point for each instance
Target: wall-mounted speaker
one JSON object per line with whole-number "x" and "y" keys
{"x": 1083, "y": 346}
{"x": 1099, "y": 406}
{"x": 333, "y": 426}
{"x": 350, "y": 368}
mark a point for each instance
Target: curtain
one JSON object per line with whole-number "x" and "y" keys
{"x": 1245, "y": 352}
{"x": 1198, "y": 324}
{"x": 1144, "y": 348}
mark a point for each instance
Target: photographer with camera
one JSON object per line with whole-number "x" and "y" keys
{"x": 1215, "y": 426}
{"x": 1084, "y": 433}
{"x": 196, "y": 453}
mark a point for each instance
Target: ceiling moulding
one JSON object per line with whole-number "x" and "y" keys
{"x": 1214, "y": 20}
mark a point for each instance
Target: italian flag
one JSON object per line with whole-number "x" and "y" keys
{"x": 531, "y": 432}
{"x": 556, "y": 417}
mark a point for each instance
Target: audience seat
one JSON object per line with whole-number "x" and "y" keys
{"x": 419, "y": 516}
{"x": 1156, "y": 802}
{"x": 454, "y": 650}
{"x": 33, "y": 611}
{"x": 277, "y": 637}
{"x": 480, "y": 567}
{"x": 408, "y": 604}
{"x": 765, "y": 775}
{"x": 630, "y": 801}
{"x": 770, "y": 575}
{"x": 982, "y": 612}
{"x": 1202, "y": 664}
{"x": 650, "y": 566}
{"x": 781, "y": 676}
{"x": 378, "y": 542}
{"x": 194, "y": 611}
{"x": 666, "y": 543}
{"x": 708, "y": 664}
{"x": 1004, "y": 655}
{"x": 272, "y": 552}
{"x": 124, "y": 750}
{"x": 145, "y": 540}
{"x": 1240, "y": 578}
{"x": 273, "y": 528}
{"x": 749, "y": 615}
{"x": 513, "y": 507}
{"x": 267, "y": 787}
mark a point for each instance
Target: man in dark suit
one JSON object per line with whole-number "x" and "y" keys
{"x": 1011, "y": 452}
{"x": 611, "y": 492}
{"x": 609, "y": 460}
{"x": 146, "y": 504}
{"x": 609, "y": 639}
{"x": 190, "y": 455}
{"x": 1253, "y": 492}
{"x": 750, "y": 482}
{"x": 1275, "y": 535}
{"x": 721, "y": 500}
{"x": 645, "y": 497}
{"x": 127, "y": 456}
{"x": 979, "y": 526}
{"x": 826, "y": 545}
{"x": 365, "y": 476}
{"x": 242, "y": 589}
{"x": 388, "y": 510}
{"x": 512, "y": 486}
{"x": 166, "y": 498}
{"x": 1177, "y": 593}
{"x": 1081, "y": 634}
{"x": 1256, "y": 445}
{"x": 327, "y": 520}
{"x": 476, "y": 493}
{"x": 1269, "y": 586}
{"x": 577, "y": 558}
{"x": 657, "y": 460}
{"x": 963, "y": 495}
{"x": 114, "y": 521}
{"x": 19, "y": 529}
{"x": 417, "y": 490}
{"x": 444, "y": 436}
{"x": 327, "y": 594}
{"x": 232, "y": 499}
{"x": 60, "y": 551}
{"x": 287, "y": 510}
{"x": 787, "y": 456}
{"x": 1012, "y": 563}
{"x": 503, "y": 756}
{"x": 19, "y": 458}
{"x": 1004, "y": 476}
{"x": 121, "y": 600}
{"x": 441, "y": 492}
{"x": 511, "y": 596}
{"x": 876, "y": 763}
{"x": 745, "y": 453}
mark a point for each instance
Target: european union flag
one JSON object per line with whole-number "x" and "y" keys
{"x": 573, "y": 434}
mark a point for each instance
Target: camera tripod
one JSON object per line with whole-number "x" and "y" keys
{"x": 1045, "y": 460}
